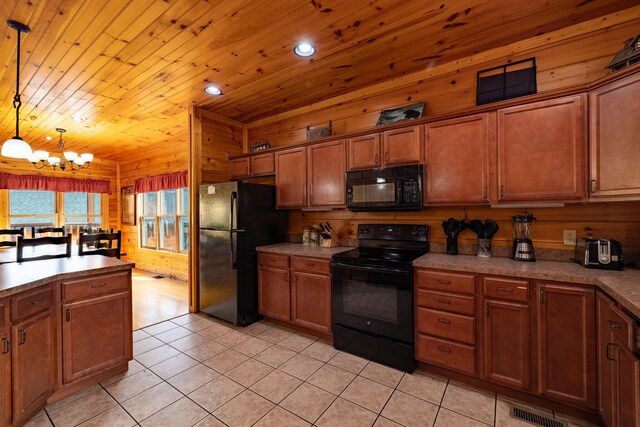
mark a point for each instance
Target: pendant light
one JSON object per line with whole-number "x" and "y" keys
{"x": 16, "y": 147}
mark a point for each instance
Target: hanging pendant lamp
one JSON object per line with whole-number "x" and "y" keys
{"x": 16, "y": 147}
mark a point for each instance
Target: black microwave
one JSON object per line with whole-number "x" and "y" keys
{"x": 391, "y": 189}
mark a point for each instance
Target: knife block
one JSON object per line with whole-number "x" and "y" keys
{"x": 332, "y": 242}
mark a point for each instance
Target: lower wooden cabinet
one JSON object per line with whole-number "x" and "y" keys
{"x": 300, "y": 295}
{"x": 5, "y": 363}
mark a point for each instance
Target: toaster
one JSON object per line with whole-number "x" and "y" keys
{"x": 599, "y": 253}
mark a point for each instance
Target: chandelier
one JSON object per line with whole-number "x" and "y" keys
{"x": 66, "y": 159}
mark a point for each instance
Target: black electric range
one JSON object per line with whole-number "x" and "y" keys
{"x": 372, "y": 293}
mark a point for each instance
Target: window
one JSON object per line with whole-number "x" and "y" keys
{"x": 75, "y": 211}
{"x": 164, "y": 224}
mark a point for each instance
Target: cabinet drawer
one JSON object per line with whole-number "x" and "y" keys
{"x": 452, "y": 282}
{"x": 447, "y": 354}
{"x": 88, "y": 287}
{"x": 446, "y": 325}
{"x": 462, "y": 304}
{"x": 29, "y": 303}
{"x": 514, "y": 290}
{"x": 273, "y": 260}
{"x": 311, "y": 265}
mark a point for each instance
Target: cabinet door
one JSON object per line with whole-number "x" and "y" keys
{"x": 5, "y": 364}
{"x": 364, "y": 152}
{"x": 402, "y": 146}
{"x": 615, "y": 158}
{"x": 84, "y": 352}
{"x": 33, "y": 364}
{"x": 274, "y": 298}
{"x": 605, "y": 360}
{"x": 541, "y": 151}
{"x": 457, "y": 160}
{"x": 327, "y": 168}
{"x": 262, "y": 164}
{"x": 240, "y": 168}
{"x": 311, "y": 301}
{"x": 507, "y": 337}
{"x": 291, "y": 178}
{"x": 566, "y": 344}
{"x": 628, "y": 386}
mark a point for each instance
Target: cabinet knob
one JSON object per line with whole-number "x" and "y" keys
{"x": 501, "y": 191}
{"x": 606, "y": 350}
{"x": 484, "y": 194}
{"x": 444, "y": 301}
{"x": 592, "y": 186}
{"x": 505, "y": 289}
{"x": 386, "y": 156}
{"x": 444, "y": 282}
{"x": 375, "y": 160}
{"x": 6, "y": 345}
{"x": 444, "y": 350}
{"x": 615, "y": 325}
{"x": 22, "y": 336}
{"x": 445, "y": 321}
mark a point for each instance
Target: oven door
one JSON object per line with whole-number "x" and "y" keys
{"x": 373, "y": 299}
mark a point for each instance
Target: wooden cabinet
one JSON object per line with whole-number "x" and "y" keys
{"x": 327, "y": 167}
{"x": 541, "y": 151}
{"x": 291, "y": 178}
{"x": 566, "y": 356}
{"x": 457, "y": 160}
{"x": 33, "y": 359}
{"x": 99, "y": 303}
{"x": 391, "y": 148}
{"x": 256, "y": 165}
{"x": 613, "y": 137}
{"x": 446, "y": 337}
{"x": 618, "y": 367}
{"x": 5, "y": 363}
{"x": 507, "y": 332}
{"x": 300, "y": 294}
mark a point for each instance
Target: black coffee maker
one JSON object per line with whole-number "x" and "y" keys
{"x": 522, "y": 244}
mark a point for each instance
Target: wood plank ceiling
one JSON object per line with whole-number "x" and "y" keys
{"x": 131, "y": 68}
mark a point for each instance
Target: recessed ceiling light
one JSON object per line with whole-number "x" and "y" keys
{"x": 77, "y": 118}
{"x": 48, "y": 138}
{"x": 304, "y": 48}
{"x": 213, "y": 90}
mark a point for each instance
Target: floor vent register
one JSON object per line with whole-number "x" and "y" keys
{"x": 534, "y": 417}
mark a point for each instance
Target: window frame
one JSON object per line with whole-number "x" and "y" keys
{"x": 157, "y": 220}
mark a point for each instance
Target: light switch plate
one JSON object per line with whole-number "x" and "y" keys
{"x": 569, "y": 237}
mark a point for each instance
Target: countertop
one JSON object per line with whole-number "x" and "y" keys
{"x": 18, "y": 277}
{"x": 623, "y": 286}
{"x": 298, "y": 249}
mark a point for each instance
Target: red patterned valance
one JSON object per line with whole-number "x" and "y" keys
{"x": 170, "y": 181}
{"x": 50, "y": 183}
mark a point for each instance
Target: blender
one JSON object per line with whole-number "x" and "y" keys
{"x": 522, "y": 244}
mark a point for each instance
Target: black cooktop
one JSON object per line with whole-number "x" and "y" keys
{"x": 379, "y": 256}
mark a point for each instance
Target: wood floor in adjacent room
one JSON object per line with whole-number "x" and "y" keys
{"x": 157, "y": 299}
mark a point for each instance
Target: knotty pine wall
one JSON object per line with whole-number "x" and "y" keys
{"x": 573, "y": 56}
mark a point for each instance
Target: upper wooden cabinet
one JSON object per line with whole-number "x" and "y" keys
{"x": 390, "y": 148}
{"x": 291, "y": 178}
{"x": 614, "y": 135}
{"x": 327, "y": 168}
{"x": 256, "y": 165}
{"x": 457, "y": 160}
{"x": 541, "y": 151}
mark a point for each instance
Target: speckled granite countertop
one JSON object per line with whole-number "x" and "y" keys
{"x": 623, "y": 286}
{"x": 298, "y": 249}
{"x": 18, "y": 277}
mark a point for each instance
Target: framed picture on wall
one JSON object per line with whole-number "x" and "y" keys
{"x": 128, "y": 202}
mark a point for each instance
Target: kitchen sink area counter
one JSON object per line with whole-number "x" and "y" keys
{"x": 297, "y": 249}
{"x": 623, "y": 286}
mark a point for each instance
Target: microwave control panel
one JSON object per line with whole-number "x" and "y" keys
{"x": 411, "y": 191}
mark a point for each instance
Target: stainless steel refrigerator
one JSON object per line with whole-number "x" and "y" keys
{"x": 235, "y": 217}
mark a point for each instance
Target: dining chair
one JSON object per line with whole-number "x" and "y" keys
{"x": 34, "y": 243}
{"x": 12, "y": 234}
{"x": 102, "y": 242}
{"x": 50, "y": 231}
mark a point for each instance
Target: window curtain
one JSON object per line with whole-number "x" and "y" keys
{"x": 49, "y": 183}
{"x": 170, "y": 181}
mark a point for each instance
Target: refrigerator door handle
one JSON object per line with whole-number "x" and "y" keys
{"x": 233, "y": 241}
{"x": 232, "y": 207}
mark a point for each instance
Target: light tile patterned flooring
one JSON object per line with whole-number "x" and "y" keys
{"x": 198, "y": 371}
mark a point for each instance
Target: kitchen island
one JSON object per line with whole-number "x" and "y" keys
{"x": 65, "y": 324}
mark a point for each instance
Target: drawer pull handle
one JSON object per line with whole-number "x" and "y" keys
{"x": 68, "y": 315}
{"x": 505, "y": 289}
{"x": 606, "y": 349}
{"x": 6, "y": 346}
{"x": 445, "y": 321}
{"x": 444, "y": 350}
{"x": 444, "y": 282}
{"x": 444, "y": 301}
{"x": 615, "y": 325}
{"x": 100, "y": 285}
{"x": 36, "y": 302}
{"x": 22, "y": 336}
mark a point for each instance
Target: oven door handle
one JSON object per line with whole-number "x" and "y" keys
{"x": 364, "y": 268}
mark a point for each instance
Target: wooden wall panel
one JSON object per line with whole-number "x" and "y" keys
{"x": 159, "y": 159}
{"x": 573, "y": 56}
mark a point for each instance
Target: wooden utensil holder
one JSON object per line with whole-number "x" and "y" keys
{"x": 331, "y": 242}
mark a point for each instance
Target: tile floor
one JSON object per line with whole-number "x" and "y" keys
{"x": 197, "y": 371}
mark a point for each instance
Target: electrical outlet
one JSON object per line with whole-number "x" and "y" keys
{"x": 569, "y": 237}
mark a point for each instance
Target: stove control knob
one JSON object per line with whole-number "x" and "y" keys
{"x": 368, "y": 322}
